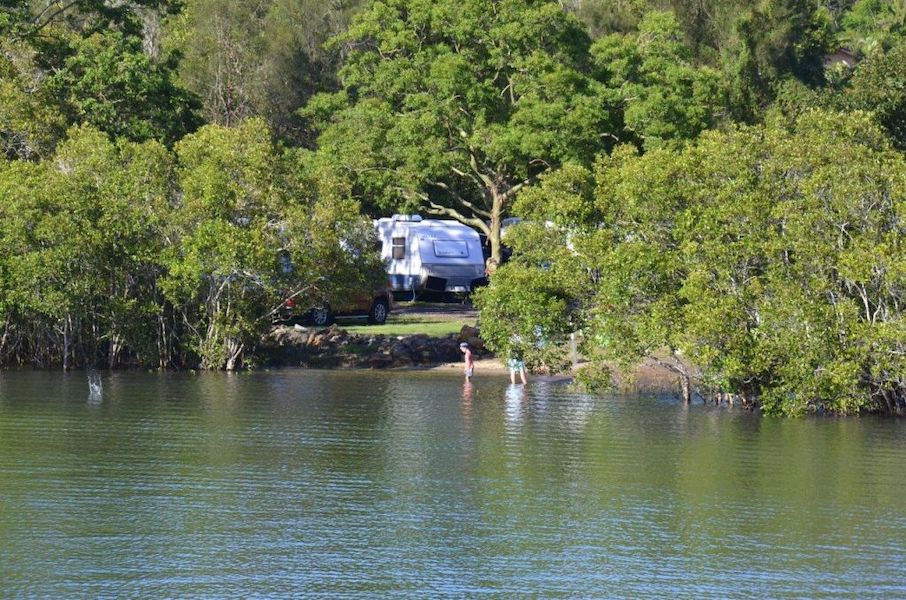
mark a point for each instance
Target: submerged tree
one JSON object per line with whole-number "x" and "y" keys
{"x": 82, "y": 235}
{"x": 769, "y": 258}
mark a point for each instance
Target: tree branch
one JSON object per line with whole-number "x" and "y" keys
{"x": 515, "y": 189}
{"x": 274, "y": 310}
{"x": 469, "y": 176}
{"x": 437, "y": 209}
{"x": 61, "y": 8}
{"x": 460, "y": 199}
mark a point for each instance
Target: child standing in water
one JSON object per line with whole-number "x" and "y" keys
{"x": 516, "y": 365}
{"x": 515, "y": 361}
{"x": 470, "y": 360}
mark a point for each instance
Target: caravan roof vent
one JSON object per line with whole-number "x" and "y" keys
{"x": 414, "y": 218}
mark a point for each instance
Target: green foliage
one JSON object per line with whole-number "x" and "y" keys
{"x": 82, "y": 239}
{"x": 526, "y": 313}
{"x": 879, "y": 85}
{"x": 89, "y": 62}
{"x": 664, "y": 96}
{"x": 874, "y": 25}
{"x": 782, "y": 38}
{"x": 261, "y": 59}
{"x": 770, "y": 258}
{"x": 246, "y": 243}
{"x": 124, "y": 253}
{"x": 454, "y": 106}
{"x": 603, "y": 17}
{"x": 111, "y": 84}
{"x": 767, "y": 256}
{"x": 30, "y": 119}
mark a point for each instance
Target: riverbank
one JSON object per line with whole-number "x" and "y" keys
{"x": 334, "y": 347}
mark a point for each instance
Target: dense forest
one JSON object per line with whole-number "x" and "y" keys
{"x": 715, "y": 185}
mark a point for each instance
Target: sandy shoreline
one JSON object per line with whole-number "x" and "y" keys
{"x": 333, "y": 348}
{"x": 482, "y": 365}
{"x": 647, "y": 376}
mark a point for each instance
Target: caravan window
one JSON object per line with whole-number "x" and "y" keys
{"x": 450, "y": 249}
{"x": 399, "y": 248}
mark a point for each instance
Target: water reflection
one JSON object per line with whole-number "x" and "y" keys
{"x": 468, "y": 392}
{"x": 514, "y": 397}
{"x": 95, "y": 388}
{"x": 413, "y": 484}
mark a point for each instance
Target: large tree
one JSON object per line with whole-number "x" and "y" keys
{"x": 454, "y": 106}
{"x": 82, "y": 235}
{"x": 663, "y": 95}
{"x": 248, "y": 233}
{"x": 86, "y": 62}
{"x": 261, "y": 59}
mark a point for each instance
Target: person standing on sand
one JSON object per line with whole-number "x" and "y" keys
{"x": 470, "y": 360}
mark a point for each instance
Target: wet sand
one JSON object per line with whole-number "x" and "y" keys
{"x": 646, "y": 377}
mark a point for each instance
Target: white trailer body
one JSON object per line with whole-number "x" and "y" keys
{"x": 430, "y": 254}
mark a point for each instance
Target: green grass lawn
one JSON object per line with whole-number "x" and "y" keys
{"x": 428, "y": 324}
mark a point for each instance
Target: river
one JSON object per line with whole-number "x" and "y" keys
{"x": 378, "y": 484}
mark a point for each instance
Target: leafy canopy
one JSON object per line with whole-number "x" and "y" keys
{"x": 453, "y": 105}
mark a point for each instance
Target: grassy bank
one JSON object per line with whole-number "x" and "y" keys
{"x": 405, "y": 325}
{"x": 435, "y": 324}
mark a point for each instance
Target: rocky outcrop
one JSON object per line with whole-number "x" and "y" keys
{"x": 333, "y": 347}
{"x": 473, "y": 337}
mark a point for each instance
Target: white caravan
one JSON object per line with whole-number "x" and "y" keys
{"x": 430, "y": 254}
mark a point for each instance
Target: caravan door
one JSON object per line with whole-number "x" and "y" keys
{"x": 399, "y": 250}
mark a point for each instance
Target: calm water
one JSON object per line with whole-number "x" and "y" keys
{"x": 306, "y": 483}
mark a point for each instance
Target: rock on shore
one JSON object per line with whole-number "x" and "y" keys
{"x": 333, "y": 347}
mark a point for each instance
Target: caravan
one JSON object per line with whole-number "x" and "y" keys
{"x": 430, "y": 254}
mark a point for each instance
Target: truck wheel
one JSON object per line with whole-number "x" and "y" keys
{"x": 320, "y": 317}
{"x": 379, "y": 311}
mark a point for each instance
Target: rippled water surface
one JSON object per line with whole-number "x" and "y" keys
{"x": 333, "y": 484}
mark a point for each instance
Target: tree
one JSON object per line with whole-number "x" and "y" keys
{"x": 664, "y": 95}
{"x": 453, "y": 107}
{"x": 879, "y": 85}
{"x": 776, "y": 40}
{"x": 602, "y": 17}
{"x": 82, "y": 234}
{"x": 873, "y": 25}
{"x": 86, "y": 61}
{"x": 261, "y": 59}
{"x": 110, "y": 83}
{"x": 534, "y": 299}
{"x": 31, "y": 119}
{"x": 768, "y": 257}
{"x": 248, "y": 233}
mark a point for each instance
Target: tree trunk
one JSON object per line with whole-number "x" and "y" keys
{"x": 116, "y": 347}
{"x": 66, "y": 324}
{"x": 163, "y": 350}
{"x": 686, "y": 385}
{"x": 494, "y": 230}
{"x": 234, "y": 350}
